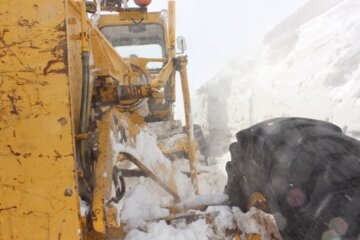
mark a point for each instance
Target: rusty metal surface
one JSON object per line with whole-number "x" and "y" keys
{"x": 103, "y": 170}
{"x": 38, "y": 187}
{"x": 73, "y": 29}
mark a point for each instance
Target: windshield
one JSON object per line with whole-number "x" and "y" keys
{"x": 137, "y": 40}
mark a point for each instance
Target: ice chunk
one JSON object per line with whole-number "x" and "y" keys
{"x": 140, "y": 203}
{"x": 204, "y": 200}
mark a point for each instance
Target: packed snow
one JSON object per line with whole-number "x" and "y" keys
{"x": 162, "y": 231}
{"x": 139, "y": 204}
{"x": 204, "y": 199}
{"x": 142, "y": 215}
{"x": 145, "y": 207}
{"x": 146, "y": 150}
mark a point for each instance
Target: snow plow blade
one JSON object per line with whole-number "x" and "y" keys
{"x": 122, "y": 141}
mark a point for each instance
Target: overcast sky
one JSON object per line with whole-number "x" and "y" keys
{"x": 219, "y": 31}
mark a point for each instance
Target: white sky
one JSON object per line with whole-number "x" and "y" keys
{"x": 218, "y": 32}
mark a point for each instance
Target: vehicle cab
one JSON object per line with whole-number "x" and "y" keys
{"x": 146, "y": 41}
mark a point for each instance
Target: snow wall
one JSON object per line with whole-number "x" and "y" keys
{"x": 307, "y": 66}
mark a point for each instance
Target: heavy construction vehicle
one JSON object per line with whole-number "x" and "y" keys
{"x": 81, "y": 93}
{"x": 77, "y": 94}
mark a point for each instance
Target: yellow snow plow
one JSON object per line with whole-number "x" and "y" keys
{"x": 87, "y": 99}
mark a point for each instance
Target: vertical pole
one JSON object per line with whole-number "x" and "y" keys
{"x": 172, "y": 49}
{"x": 182, "y": 63}
{"x": 172, "y": 28}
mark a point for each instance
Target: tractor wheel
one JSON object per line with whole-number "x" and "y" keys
{"x": 308, "y": 171}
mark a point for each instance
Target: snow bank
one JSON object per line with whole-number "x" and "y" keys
{"x": 204, "y": 200}
{"x": 308, "y": 66}
{"x": 145, "y": 149}
{"x": 140, "y": 203}
{"x": 224, "y": 221}
{"x": 161, "y": 231}
{"x": 212, "y": 179}
{"x": 221, "y": 228}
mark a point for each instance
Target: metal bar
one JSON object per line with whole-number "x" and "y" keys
{"x": 131, "y": 173}
{"x": 140, "y": 165}
{"x": 182, "y": 63}
{"x": 83, "y": 34}
{"x": 172, "y": 28}
{"x": 189, "y": 217}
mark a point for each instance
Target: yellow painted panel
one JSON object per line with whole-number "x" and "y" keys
{"x": 73, "y": 28}
{"x": 38, "y": 186}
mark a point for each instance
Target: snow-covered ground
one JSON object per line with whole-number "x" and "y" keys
{"x": 308, "y": 66}
{"x": 144, "y": 209}
{"x": 141, "y": 214}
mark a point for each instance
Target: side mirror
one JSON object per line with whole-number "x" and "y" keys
{"x": 181, "y": 43}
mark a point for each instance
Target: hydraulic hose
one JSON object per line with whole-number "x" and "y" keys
{"x": 84, "y": 114}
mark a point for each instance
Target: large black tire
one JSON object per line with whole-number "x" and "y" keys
{"x": 308, "y": 171}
